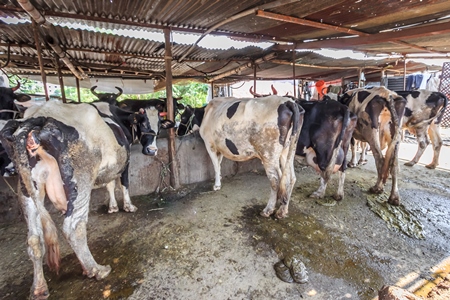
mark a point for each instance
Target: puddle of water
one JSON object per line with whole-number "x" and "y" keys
{"x": 318, "y": 247}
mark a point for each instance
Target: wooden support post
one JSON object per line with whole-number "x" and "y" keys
{"x": 61, "y": 81}
{"x": 39, "y": 53}
{"x": 254, "y": 79}
{"x": 359, "y": 77}
{"x": 173, "y": 163}
{"x": 404, "y": 74}
{"x": 293, "y": 72}
{"x": 212, "y": 90}
{"x": 78, "y": 88}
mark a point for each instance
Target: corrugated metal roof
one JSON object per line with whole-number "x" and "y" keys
{"x": 106, "y": 54}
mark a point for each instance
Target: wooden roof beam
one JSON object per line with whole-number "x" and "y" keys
{"x": 383, "y": 37}
{"x": 248, "y": 65}
{"x": 288, "y": 19}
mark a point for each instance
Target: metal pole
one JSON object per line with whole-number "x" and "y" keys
{"x": 173, "y": 164}
{"x": 39, "y": 53}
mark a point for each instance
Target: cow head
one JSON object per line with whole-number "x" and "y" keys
{"x": 147, "y": 123}
{"x": 188, "y": 121}
{"x": 111, "y": 98}
{"x": 7, "y": 97}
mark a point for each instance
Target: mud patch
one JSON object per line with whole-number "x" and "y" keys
{"x": 321, "y": 250}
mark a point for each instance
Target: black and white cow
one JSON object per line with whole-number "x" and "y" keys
{"x": 64, "y": 151}
{"x": 159, "y": 104}
{"x": 266, "y": 128}
{"x": 190, "y": 120}
{"x": 8, "y": 111}
{"x": 324, "y": 140}
{"x": 111, "y": 98}
{"x": 7, "y": 97}
{"x": 423, "y": 114}
{"x": 369, "y": 105}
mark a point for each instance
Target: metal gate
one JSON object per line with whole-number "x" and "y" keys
{"x": 444, "y": 87}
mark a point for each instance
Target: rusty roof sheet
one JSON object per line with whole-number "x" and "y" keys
{"x": 369, "y": 26}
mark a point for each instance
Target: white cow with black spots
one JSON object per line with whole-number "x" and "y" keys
{"x": 266, "y": 128}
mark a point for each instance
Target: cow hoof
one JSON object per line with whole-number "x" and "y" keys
{"x": 376, "y": 190}
{"x": 131, "y": 208}
{"x": 338, "y": 197}
{"x": 395, "y": 201}
{"x": 100, "y": 272}
{"x": 316, "y": 195}
{"x": 410, "y": 163}
{"x": 431, "y": 166}
{"x": 281, "y": 213}
{"x": 113, "y": 209}
{"x": 217, "y": 187}
{"x": 39, "y": 293}
{"x": 267, "y": 213}
{"x": 351, "y": 165}
{"x": 362, "y": 162}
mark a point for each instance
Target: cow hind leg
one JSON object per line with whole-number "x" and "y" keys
{"x": 113, "y": 207}
{"x": 273, "y": 173}
{"x": 35, "y": 248}
{"x": 422, "y": 141}
{"x": 340, "y": 191}
{"x": 352, "y": 163}
{"x": 216, "y": 159}
{"x": 286, "y": 185}
{"x": 320, "y": 192}
{"x": 436, "y": 141}
{"x": 75, "y": 232}
{"x": 127, "y": 205}
{"x": 363, "y": 156}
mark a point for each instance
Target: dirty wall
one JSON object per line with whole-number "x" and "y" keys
{"x": 147, "y": 174}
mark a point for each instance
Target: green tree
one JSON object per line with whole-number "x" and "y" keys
{"x": 193, "y": 94}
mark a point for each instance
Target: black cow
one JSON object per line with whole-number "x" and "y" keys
{"x": 324, "y": 140}
{"x": 64, "y": 151}
{"x": 8, "y": 111}
{"x": 159, "y": 104}
{"x": 111, "y": 98}
{"x": 190, "y": 120}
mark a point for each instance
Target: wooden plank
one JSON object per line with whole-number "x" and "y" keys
{"x": 173, "y": 163}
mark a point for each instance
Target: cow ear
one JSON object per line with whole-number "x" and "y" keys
{"x": 180, "y": 106}
{"x": 166, "y": 124}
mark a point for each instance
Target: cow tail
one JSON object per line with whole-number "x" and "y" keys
{"x": 50, "y": 238}
{"x": 295, "y": 133}
{"x": 392, "y": 151}
{"x": 442, "y": 112}
{"x": 345, "y": 122}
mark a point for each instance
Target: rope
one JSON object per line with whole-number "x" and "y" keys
{"x": 10, "y": 187}
{"x": 165, "y": 171}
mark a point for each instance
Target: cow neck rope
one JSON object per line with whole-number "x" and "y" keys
{"x": 189, "y": 122}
